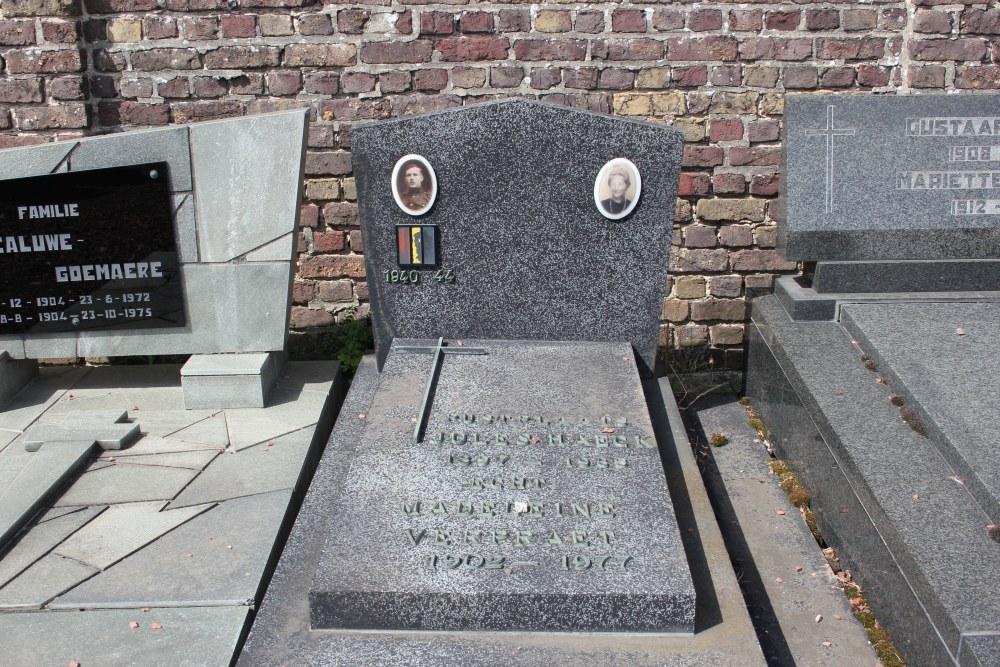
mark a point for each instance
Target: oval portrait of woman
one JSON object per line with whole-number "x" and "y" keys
{"x": 617, "y": 188}
{"x": 414, "y": 184}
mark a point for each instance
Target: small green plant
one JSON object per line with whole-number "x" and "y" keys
{"x": 346, "y": 343}
{"x": 718, "y": 440}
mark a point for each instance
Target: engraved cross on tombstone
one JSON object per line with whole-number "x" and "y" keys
{"x": 829, "y": 132}
{"x": 438, "y": 351}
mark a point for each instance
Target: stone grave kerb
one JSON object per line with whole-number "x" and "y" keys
{"x": 523, "y": 252}
{"x": 235, "y": 188}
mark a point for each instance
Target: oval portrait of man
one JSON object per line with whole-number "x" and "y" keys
{"x": 414, "y": 184}
{"x": 617, "y": 188}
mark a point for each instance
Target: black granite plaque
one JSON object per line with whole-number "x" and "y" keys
{"x": 89, "y": 250}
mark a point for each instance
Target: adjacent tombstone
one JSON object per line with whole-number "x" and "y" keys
{"x": 171, "y": 241}
{"x": 873, "y": 371}
{"x": 502, "y": 470}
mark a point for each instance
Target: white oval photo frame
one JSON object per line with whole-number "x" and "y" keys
{"x": 406, "y": 205}
{"x": 605, "y": 204}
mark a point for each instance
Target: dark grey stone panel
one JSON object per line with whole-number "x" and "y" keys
{"x": 887, "y": 177}
{"x": 941, "y": 375}
{"x": 531, "y": 255}
{"x": 523, "y": 522}
{"x": 883, "y": 496}
{"x": 803, "y": 303}
{"x": 974, "y": 275}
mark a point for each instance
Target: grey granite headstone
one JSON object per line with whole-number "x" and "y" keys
{"x": 535, "y": 501}
{"x": 523, "y": 251}
{"x": 880, "y": 178}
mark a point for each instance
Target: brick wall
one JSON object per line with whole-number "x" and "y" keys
{"x": 716, "y": 71}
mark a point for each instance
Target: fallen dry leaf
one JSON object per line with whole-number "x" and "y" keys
{"x": 916, "y": 496}
{"x": 535, "y": 439}
{"x": 133, "y": 625}
{"x": 607, "y": 430}
{"x": 839, "y": 392}
{"x": 229, "y": 546}
{"x": 413, "y": 420}
{"x": 798, "y": 568}
{"x": 819, "y": 617}
{"x": 838, "y": 617}
{"x": 960, "y": 331}
{"x": 361, "y": 415}
{"x": 145, "y": 609}
{"x": 781, "y": 512}
{"x": 880, "y": 380}
{"x": 109, "y": 458}
{"x": 74, "y": 663}
{"x": 155, "y": 626}
{"x": 827, "y": 644}
{"x": 779, "y": 580}
{"x": 189, "y": 555}
{"x": 459, "y": 343}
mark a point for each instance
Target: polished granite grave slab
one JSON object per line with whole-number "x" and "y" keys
{"x": 177, "y": 530}
{"x": 534, "y": 500}
{"x": 900, "y": 515}
{"x": 284, "y": 634}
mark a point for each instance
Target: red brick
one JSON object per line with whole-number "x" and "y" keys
{"x": 544, "y": 78}
{"x": 783, "y": 20}
{"x": 892, "y": 18}
{"x": 238, "y": 25}
{"x": 693, "y": 184}
{"x": 584, "y": 78}
{"x": 702, "y": 48}
{"x": 336, "y": 291}
{"x": 391, "y": 53}
{"x": 394, "y": 81}
{"x": 763, "y": 130}
{"x": 668, "y": 20}
{"x": 628, "y": 20}
{"x": 728, "y": 286}
{"x": 689, "y": 76}
{"x": 472, "y": 49}
{"x": 726, "y": 129}
{"x": 356, "y": 241}
{"x": 199, "y": 27}
{"x": 329, "y": 241}
{"x": 851, "y": 48}
{"x": 315, "y": 24}
{"x": 192, "y": 112}
{"x": 929, "y": 21}
{"x": 20, "y": 91}
{"x": 859, "y": 20}
{"x": 242, "y": 57}
{"x": 321, "y": 83}
{"x": 143, "y": 87}
{"x": 332, "y": 266}
{"x": 38, "y": 61}
{"x": 340, "y": 213}
{"x": 514, "y": 20}
{"x": 303, "y": 292}
{"x": 981, "y": 21}
{"x": 744, "y": 20}
{"x": 328, "y": 163}
{"x": 60, "y": 32}
{"x": 430, "y": 79}
{"x": 119, "y": 6}
{"x": 732, "y": 310}
{"x": 17, "y": 33}
{"x": 310, "y": 318}
{"x": 404, "y": 23}
{"x": 756, "y": 156}
{"x": 702, "y": 156}
{"x": 152, "y": 60}
{"x": 281, "y": 82}
{"x": 95, "y": 30}
{"x": 476, "y": 22}
{"x": 506, "y": 76}
{"x": 700, "y": 236}
{"x": 436, "y": 23}
{"x": 822, "y": 19}
{"x": 73, "y": 87}
{"x": 159, "y": 27}
{"x": 873, "y": 75}
{"x": 775, "y": 48}
{"x": 927, "y": 76}
{"x": 948, "y": 49}
{"x": 322, "y": 136}
{"x": 837, "y": 77}
{"x": 355, "y": 109}
{"x": 352, "y": 21}
{"x": 735, "y": 236}
{"x": 702, "y": 20}
{"x": 760, "y": 260}
{"x": 178, "y": 87}
{"x": 589, "y": 22}
{"x": 613, "y": 78}
{"x": 534, "y": 50}
{"x": 357, "y": 82}
{"x": 309, "y": 216}
{"x": 627, "y": 49}
{"x": 729, "y": 184}
{"x": 727, "y": 75}
{"x": 985, "y": 77}
{"x": 132, "y": 113}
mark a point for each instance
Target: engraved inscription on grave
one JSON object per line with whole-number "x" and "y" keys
{"x": 514, "y": 516}
{"x": 89, "y": 250}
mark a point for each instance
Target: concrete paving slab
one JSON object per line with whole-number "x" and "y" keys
{"x": 191, "y": 637}
{"x": 38, "y": 397}
{"x": 280, "y": 249}
{"x": 42, "y": 476}
{"x": 126, "y": 484}
{"x": 85, "y": 418}
{"x": 194, "y": 460}
{"x": 252, "y": 470}
{"x": 57, "y": 512}
{"x": 162, "y": 423}
{"x": 211, "y": 431}
{"x": 286, "y": 412}
{"x": 108, "y": 435}
{"x": 123, "y": 530}
{"x": 795, "y": 575}
{"x": 216, "y": 558}
{"x": 149, "y": 445}
{"x": 43, "y": 581}
{"x": 42, "y": 538}
{"x": 12, "y": 462}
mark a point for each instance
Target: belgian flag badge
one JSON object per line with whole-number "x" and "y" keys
{"x": 417, "y": 245}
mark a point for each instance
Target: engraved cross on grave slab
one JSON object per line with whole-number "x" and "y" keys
{"x": 438, "y": 351}
{"x": 829, "y": 132}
